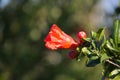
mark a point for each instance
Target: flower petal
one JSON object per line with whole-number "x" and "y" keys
{"x": 57, "y": 39}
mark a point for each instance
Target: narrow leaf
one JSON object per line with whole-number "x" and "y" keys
{"x": 101, "y": 34}
{"x": 108, "y": 45}
{"x": 116, "y": 32}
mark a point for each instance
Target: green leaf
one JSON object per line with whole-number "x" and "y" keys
{"x": 86, "y": 51}
{"x": 87, "y": 39}
{"x": 117, "y": 33}
{"x": 91, "y": 63}
{"x": 103, "y": 44}
{"x": 93, "y": 44}
{"x": 100, "y": 34}
{"x": 112, "y": 42}
{"x": 114, "y": 73}
{"x": 117, "y": 77}
{"x": 109, "y": 46}
{"x": 94, "y": 35}
{"x": 104, "y": 57}
{"x": 93, "y": 60}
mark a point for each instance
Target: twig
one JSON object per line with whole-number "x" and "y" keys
{"x": 113, "y": 63}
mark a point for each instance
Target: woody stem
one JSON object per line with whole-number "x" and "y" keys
{"x": 113, "y": 63}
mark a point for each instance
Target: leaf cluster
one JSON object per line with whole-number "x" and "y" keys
{"x": 106, "y": 51}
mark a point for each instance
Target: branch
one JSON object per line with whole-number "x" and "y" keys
{"x": 113, "y": 63}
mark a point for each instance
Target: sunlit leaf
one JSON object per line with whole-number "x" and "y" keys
{"x": 117, "y": 77}
{"x": 114, "y": 73}
{"x": 87, "y": 39}
{"x": 86, "y": 51}
{"x": 94, "y": 35}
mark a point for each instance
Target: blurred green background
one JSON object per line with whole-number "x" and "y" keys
{"x": 23, "y": 27}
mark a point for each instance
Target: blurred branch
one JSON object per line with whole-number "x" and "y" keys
{"x": 113, "y": 63}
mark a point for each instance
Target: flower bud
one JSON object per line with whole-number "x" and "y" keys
{"x": 72, "y": 54}
{"x": 81, "y": 35}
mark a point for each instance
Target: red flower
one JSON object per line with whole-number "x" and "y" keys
{"x": 57, "y": 39}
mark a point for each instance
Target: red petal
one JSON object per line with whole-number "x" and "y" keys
{"x": 56, "y": 28}
{"x": 56, "y": 38}
{"x": 47, "y": 38}
{"x": 51, "y": 45}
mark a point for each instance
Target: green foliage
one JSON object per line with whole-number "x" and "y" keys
{"x": 114, "y": 73}
{"x": 98, "y": 49}
{"x": 104, "y": 57}
{"x": 117, "y": 77}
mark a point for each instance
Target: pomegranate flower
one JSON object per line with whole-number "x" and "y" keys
{"x": 57, "y": 39}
